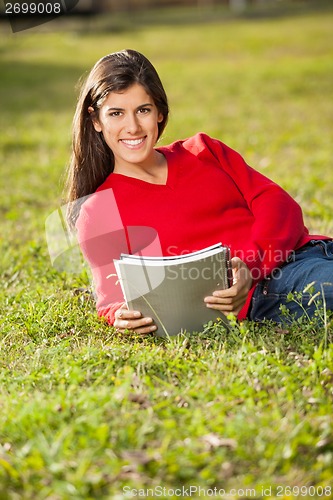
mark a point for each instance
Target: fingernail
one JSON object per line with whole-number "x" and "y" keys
{"x": 136, "y": 314}
{"x": 149, "y": 320}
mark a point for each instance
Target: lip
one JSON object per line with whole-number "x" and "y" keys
{"x": 133, "y": 143}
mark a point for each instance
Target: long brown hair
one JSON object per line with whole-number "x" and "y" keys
{"x": 92, "y": 160}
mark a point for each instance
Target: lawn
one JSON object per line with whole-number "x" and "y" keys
{"x": 86, "y": 413}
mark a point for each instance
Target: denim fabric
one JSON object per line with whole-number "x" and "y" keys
{"x": 311, "y": 263}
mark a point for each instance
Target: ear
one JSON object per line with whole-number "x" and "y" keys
{"x": 160, "y": 118}
{"x": 94, "y": 120}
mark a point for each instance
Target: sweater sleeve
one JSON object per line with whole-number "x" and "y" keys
{"x": 102, "y": 238}
{"x": 278, "y": 226}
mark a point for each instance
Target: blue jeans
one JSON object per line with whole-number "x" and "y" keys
{"x": 311, "y": 263}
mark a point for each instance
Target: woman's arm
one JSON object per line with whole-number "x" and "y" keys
{"x": 102, "y": 238}
{"x": 278, "y": 226}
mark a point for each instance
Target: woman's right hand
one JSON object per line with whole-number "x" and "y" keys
{"x": 133, "y": 321}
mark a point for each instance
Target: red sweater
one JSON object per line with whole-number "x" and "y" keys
{"x": 211, "y": 196}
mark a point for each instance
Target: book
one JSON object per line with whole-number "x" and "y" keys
{"x": 172, "y": 289}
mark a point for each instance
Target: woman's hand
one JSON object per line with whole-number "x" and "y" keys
{"x": 232, "y": 299}
{"x": 132, "y": 321}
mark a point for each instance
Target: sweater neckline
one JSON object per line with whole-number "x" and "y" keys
{"x": 171, "y": 175}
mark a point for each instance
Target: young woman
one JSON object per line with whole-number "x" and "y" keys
{"x": 131, "y": 196}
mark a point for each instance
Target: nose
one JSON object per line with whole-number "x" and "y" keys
{"x": 132, "y": 123}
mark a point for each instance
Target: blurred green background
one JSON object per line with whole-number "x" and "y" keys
{"x": 260, "y": 80}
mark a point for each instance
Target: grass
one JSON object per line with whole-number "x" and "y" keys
{"x": 85, "y": 413}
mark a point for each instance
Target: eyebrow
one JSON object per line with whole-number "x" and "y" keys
{"x": 113, "y": 108}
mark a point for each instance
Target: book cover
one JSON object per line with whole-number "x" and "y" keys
{"x": 171, "y": 289}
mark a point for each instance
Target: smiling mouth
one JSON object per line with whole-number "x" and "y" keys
{"x": 133, "y": 142}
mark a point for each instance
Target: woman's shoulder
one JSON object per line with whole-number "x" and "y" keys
{"x": 194, "y": 144}
{"x": 106, "y": 184}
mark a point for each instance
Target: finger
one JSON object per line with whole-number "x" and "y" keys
{"x": 143, "y": 330}
{"x": 229, "y": 292}
{"x": 225, "y": 308}
{"x": 218, "y": 302}
{"x": 128, "y": 324}
{"x": 230, "y": 304}
{"x": 123, "y": 324}
{"x": 120, "y": 312}
{"x": 127, "y": 314}
{"x": 218, "y": 299}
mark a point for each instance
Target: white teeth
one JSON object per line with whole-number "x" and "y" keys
{"x": 132, "y": 142}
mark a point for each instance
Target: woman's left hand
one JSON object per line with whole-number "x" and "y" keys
{"x": 232, "y": 299}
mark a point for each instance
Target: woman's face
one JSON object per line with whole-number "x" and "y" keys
{"x": 129, "y": 123}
